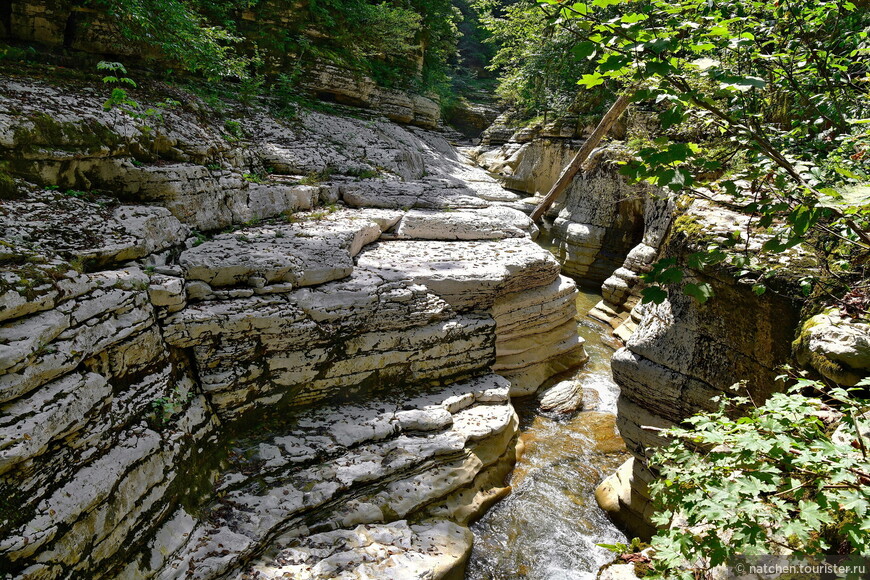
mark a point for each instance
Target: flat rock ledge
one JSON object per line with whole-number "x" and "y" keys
{"x": 436, "y": 550}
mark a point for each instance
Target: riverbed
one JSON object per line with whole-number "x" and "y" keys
{"x": 548, "y": 527}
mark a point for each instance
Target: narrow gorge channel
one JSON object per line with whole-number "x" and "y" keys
{"x": 291, "y": 317}
{"x": 550, "y": 525}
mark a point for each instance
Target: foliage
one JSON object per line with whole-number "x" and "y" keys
{"x": 664, "y": 273}
{"x": 403, "y": 43}
{"x": 119, "y": 97}
{"x": 782, "y": 86}
{"x": 534, "y": 57}
{"x": 234, "y": 130}
{"x": 121, "y": 100}
{"x": 168, "y": 405}
{"x": 388, "y": 39}
{"x": 181, "y": 32}
{"x": 786, "y": 476}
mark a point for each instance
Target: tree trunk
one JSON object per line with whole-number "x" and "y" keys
{"x": 591, "y": 143}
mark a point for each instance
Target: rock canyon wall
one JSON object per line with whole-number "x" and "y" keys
{"x": 222, "y": 346}
{"x": 681, "y": 354}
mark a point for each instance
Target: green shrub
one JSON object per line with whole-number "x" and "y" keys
{"x": 776, "y": 478}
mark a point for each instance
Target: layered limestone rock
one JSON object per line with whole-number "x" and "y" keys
{"x": 684, "y": 353}
{"x": 599, "y": 220}
{"x": 97, "y": 234}
{"x": 176, "y": 401}
{"x": 208, "y": 175}
{"x": 428, "y": 551}
{"x": 471, "y": 119}
{"x": 531, "y": 167}
{"x": 86, "y": 456}
{"x": 340, "y": 467}
{"x": 620, "y": 292}
{"x": 531, "y": 303}
{"x": 836, "y": 346}
{"x": 352, "y": 88}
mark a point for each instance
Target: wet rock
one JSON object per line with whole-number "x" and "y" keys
{"x": 624, "y": 495}
{"x": 563, "y": 397}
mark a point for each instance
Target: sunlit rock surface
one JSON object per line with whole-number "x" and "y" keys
{"x": 836, "y": 346}
{"x": 215, "y": 346}
{"x": 428, "y": 551}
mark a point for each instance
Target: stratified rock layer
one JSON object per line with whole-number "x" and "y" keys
{"x": 598, "y": 220}
{"x": 339, "y": 467}
{"x": 178, "y": 401}
{"x": 428, "y": 551}
{"x": 684, "y": 353}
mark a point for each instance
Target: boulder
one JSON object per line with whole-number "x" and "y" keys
{"x": 836, "y": 346}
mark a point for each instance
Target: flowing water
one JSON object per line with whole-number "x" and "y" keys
{"x": 549, "y": 526}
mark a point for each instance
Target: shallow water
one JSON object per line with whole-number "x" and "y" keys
{"x": 549, "y": 526}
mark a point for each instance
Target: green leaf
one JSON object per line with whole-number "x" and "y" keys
{"x": 846, "y": 172}
{"x": 700, "y": 292}
{"x": 591, "y": 80}
{"x": 812, "y": 515}
{"x": 670, "y": 276}
{"x": 802, "y": 218}
{"x": 653, "y": 294}
{"x": 671, "y": 117}
{"x": 584, "y": 50}
{"x": 657, "y": 68}
{"x": 633, "y": 18}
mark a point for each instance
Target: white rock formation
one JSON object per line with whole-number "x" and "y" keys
{"x": 329, "y": 358}
{"x": 434, "y": 550}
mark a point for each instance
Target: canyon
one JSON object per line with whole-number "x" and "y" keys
{"x": 241, "y": 345}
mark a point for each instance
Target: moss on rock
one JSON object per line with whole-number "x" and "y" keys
{"x": 8, "y": 187}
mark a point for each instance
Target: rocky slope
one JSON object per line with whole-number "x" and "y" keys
{"x": 88, "y": 33}
{"x": 181, "y": 401}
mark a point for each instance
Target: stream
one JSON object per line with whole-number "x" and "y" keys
{"x": 549, "y": 526}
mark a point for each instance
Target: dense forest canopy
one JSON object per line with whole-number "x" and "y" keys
{"x": 408, "y": 43}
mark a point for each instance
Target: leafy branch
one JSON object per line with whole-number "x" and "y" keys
{"x": 792, "y": 473}
{"x": 781, "y": 89}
